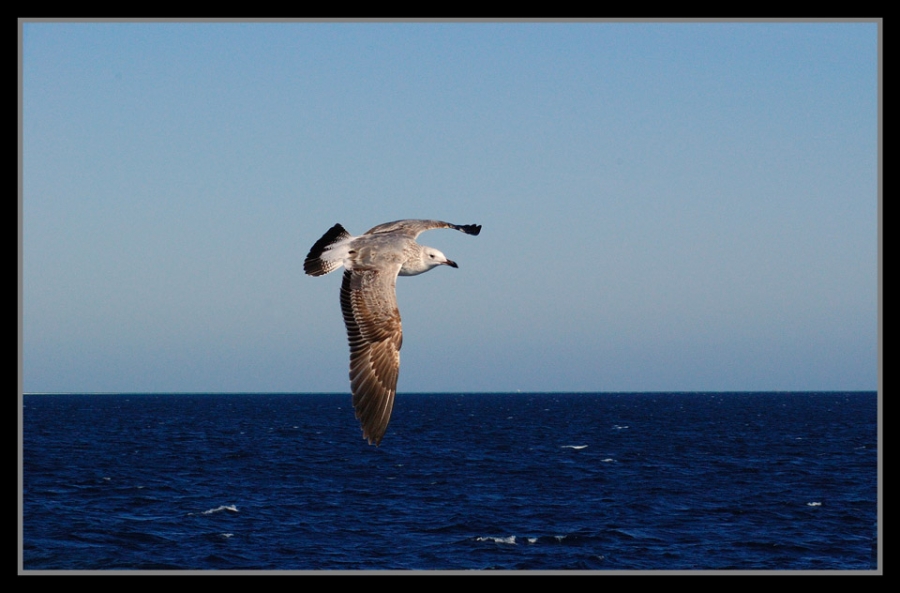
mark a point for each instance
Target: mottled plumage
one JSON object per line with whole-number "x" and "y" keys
{"x": 372, "y": 263}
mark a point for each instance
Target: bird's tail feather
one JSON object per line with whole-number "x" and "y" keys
{"x": 324, "y": 257}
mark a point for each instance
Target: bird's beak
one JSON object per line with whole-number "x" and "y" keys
{"x": 451, "y": 263}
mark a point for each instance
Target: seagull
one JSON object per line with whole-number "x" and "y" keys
{"x": 372, "y": 262}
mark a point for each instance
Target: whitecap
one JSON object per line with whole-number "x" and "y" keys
{"x": 498, "y": 540}
{"x": 575, "y": 447}
{"x": 219, "y": 509}
{"x": 814, "y": 504}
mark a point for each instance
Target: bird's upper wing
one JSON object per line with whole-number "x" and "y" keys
{"x": 369, "y": 305}
{"x": 413, "y": 228}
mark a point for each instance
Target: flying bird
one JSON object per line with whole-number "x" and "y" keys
{"x": 372, "y": 262}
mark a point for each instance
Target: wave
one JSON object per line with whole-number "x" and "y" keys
{"x": 497, "y": 540}
{"x": 570, "y": 538}
{"x": 219, "y": 509}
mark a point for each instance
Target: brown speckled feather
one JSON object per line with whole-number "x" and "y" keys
{"x": 369, "y": 305}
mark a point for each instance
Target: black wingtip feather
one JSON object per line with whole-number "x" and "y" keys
{"x": 469, "y": 229}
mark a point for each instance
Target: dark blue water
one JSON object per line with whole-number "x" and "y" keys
{"x": 474, "y": 481}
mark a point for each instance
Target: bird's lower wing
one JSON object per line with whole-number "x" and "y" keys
{"x": 369, "y": 306}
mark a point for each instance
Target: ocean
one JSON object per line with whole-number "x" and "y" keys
{"x": 474, "y": 481}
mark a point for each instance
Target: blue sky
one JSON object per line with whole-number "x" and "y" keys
{"x": 666, "y": 206}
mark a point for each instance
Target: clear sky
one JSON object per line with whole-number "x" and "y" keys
{"x": 666, "y": 206}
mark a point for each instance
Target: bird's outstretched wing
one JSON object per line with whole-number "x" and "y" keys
{"x": 413, "y": 228}
{"x": 369, "y": 305}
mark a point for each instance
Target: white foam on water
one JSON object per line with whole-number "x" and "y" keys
{"x": 498, "y": 540}
{"x": 219, "y": 509}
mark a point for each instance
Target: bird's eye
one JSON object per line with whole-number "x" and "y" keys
{"x": 431, "y": 255}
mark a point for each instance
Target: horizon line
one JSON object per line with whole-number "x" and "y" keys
{"x": 502, "y": 392}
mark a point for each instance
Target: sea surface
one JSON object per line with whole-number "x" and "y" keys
{"x": 555, "y": 481}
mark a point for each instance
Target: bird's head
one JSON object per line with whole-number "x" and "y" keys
{"x": 432, "y": 257}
